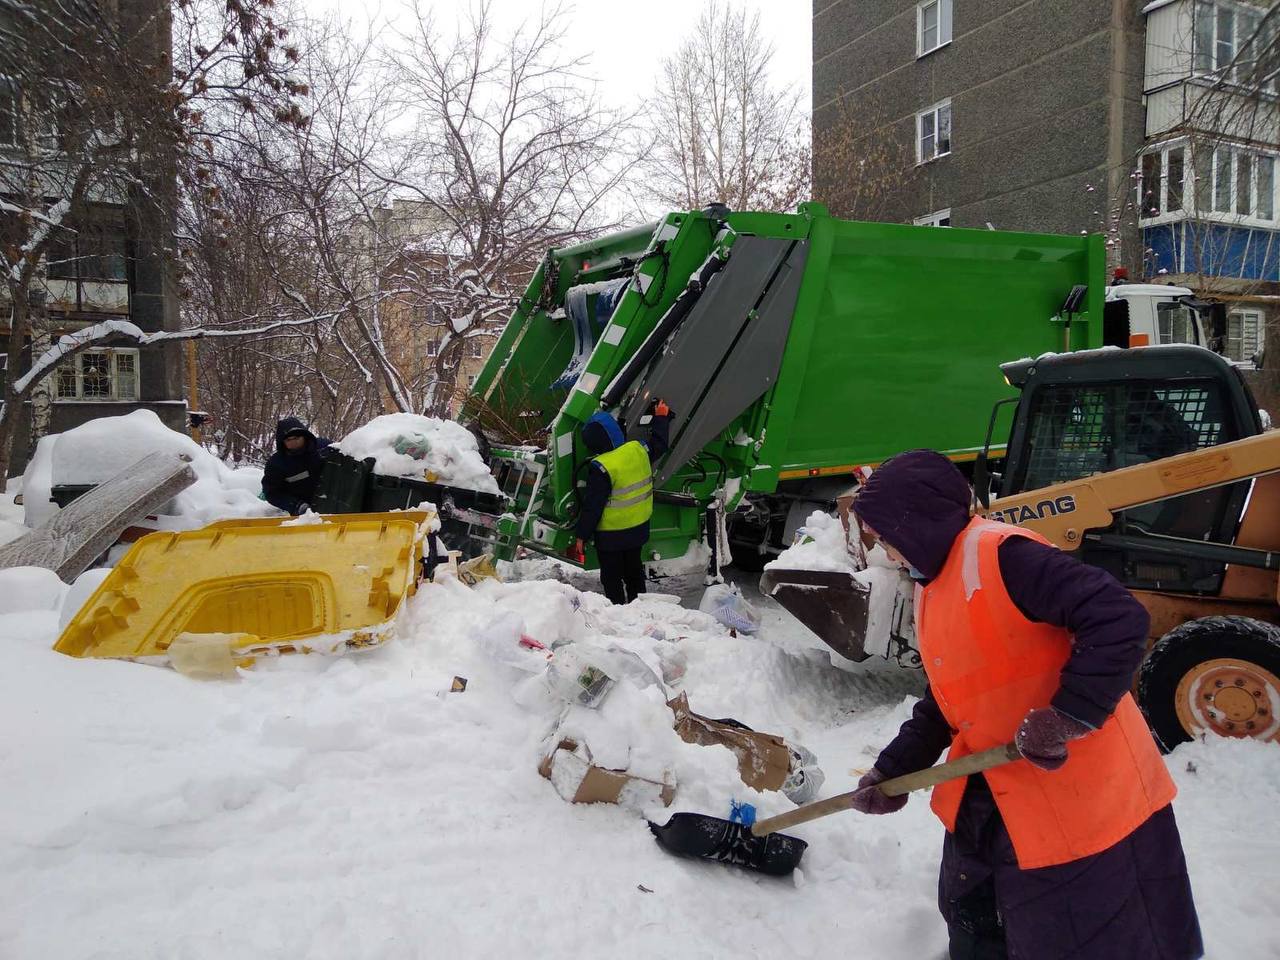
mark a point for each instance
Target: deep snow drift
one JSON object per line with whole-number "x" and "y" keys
{"x": 99, "y": 449}
{"x": 351, "y": 807}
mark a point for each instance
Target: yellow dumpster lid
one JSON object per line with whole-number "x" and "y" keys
{"x": 323, "y": 587}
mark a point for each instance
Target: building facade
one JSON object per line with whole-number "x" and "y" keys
{"x": 110, "y": 258}
{"x": 1151, "y": 122}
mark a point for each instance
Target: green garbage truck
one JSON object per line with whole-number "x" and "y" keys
{"x": 792, "y": 349}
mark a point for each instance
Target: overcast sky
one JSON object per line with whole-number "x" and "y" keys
{"x": 626, "y": 40}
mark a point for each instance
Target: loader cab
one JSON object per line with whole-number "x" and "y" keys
{"x": 1099, "y": 410}
{"x": 1150, "y": 314}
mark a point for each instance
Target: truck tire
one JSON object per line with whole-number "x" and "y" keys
{"x": 1218, "y": 675}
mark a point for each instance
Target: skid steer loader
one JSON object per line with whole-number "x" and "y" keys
{"x": 1153, "y": 464}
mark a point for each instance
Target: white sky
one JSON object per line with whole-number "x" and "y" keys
{"x": 626, "y": 40}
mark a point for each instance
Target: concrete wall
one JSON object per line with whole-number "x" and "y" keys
{"x": 1046, "y": 103}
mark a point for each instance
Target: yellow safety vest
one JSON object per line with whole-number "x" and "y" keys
{"x": 631, "y": 499}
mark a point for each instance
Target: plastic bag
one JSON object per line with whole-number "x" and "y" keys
{"x": 805, "y": 778}
{"x": 726, "y": 603}
{"x": 413, "y": 445}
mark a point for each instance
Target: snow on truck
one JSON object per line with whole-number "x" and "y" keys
{"x": 792, "y": 349}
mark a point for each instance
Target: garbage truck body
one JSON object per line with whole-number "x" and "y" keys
{"x": 791, "y": 348}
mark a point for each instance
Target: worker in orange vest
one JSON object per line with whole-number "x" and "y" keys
{"x": 1071, "y": 853}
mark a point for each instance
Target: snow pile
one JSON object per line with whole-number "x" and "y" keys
{"x": 28, "y": 589}
{"x": 98, "y": 450}
{"x": 409, "y": 445}
{"x": 11, "y": 514}
{"x": 820, "y": 545}
{"x": 353, "y": 807}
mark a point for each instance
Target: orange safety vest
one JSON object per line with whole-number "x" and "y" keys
{"x": 988, "y": 665}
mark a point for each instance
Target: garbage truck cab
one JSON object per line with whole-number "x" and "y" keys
{"x": 1147, "y": 314}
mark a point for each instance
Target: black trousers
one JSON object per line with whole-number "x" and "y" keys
{"x": 621, "y": 573}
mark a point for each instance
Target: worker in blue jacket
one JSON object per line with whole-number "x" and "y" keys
{"x": 618, "y": 500}
{"x": 291, "y": 476}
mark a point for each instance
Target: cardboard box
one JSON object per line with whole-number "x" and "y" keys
{"x": 763, "y": 758}
{"x": 569, "y": 768}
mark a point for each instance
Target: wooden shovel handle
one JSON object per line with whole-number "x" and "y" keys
{"x": 930, "y": 777}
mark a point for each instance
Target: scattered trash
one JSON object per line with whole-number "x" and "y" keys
{"x": 764, "y": 760}
{"x": 805, "y": 777}
{"x": 459, "y": 685}
{"x": 575, "y": 679}
{"x": 726, "y": 603}
{"x": 570, "y": 769}
{"x": 207, "y": 656}
{"x": 476, "y": 569}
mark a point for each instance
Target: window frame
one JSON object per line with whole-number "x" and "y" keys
{"x": 75, "y": 366}
{"x": 1259, "y": 334}
{"x": 1202, "y": 201}
{"x": 935, "y": 219}
{"x": 1206, "y": 30}
{"x": 431, "y": 348}
{"x": 475, "y": 348}
{"x": 943, "y": 25}
{"x": 934, "y": 111}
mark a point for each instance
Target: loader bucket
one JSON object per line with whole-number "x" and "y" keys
{"x": 831, "y": 603}
{"x": 262, "y": 587}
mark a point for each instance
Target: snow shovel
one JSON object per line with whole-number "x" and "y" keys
{"x": 760, "y": 846}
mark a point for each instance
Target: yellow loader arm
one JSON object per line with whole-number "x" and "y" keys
{"x": 1065, "y": 511}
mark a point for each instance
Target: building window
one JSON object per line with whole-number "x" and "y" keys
{"x": 471, "y": 381}
{"x": 933, "y": 25}
{"x": 1233, "y": 184}
{"x": 94, "y": 252}
{"x": 1227, "y": 39}
{"x": 475, "y": 348}
{"x": 933, "y": 132}
{"x": 433, "y": 347}
{"x": 941, "y": 218}
{"x": 100, "y": 375}
{"x": 1244, "y": 334}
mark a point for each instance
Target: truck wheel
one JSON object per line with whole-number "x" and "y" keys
{"x": 1218, "y": 675}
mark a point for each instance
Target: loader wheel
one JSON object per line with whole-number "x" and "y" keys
{"x": 1218, "y": 675}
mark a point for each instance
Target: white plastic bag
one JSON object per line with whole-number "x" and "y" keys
{"x": 726, "y": 603}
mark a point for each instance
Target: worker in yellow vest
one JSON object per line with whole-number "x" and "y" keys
{"x": 618, "y": 499}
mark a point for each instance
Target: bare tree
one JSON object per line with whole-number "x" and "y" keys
{"x": 510, "y": 153}
{"x": 723, "y": 130}
{"x": 96, "y": 110}
{"x": 862, "y": 161}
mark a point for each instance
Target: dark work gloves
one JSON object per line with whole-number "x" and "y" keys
{"x": 1043, "y": 736}
{"x": 869, "y": 798}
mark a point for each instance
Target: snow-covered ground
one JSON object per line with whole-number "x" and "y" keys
{"x": 351, "y": 807}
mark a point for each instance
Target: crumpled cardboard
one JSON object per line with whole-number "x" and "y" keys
{"x": 569, "y": 768}
{"x": 763, "y": 758}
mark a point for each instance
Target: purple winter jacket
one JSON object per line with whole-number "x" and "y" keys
{"x": 919, "y": 503}
{"x": 1136, "y": 892}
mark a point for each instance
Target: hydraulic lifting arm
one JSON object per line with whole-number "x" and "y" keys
{"x": 1066, "y": 512}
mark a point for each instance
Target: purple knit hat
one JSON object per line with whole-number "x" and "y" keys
{"x": 918, "y": 502}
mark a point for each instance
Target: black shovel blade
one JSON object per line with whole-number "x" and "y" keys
{"x": 711, "y": 838}
{"x": 830, "y": 603}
